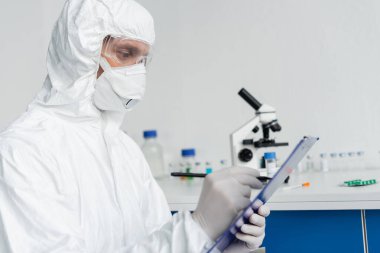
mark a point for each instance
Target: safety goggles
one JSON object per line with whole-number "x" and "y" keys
{"x": 124, "y": 51}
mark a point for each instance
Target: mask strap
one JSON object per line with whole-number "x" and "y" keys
{"x": 104, "y": 64}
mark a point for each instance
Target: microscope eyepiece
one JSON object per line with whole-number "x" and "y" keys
{"x": 251, "y": 100}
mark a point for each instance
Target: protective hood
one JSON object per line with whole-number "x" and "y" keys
{"x": 75, "y": 47}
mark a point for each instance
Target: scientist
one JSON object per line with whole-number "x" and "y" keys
{"x": 72, "y": 181}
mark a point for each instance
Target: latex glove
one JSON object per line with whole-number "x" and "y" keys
{"x": 252, "y": 234}
{"x": 224, "y": 194}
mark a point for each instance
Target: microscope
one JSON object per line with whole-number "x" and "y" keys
{"x": 243, "y": 146}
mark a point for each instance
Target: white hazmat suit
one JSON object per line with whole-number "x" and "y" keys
{"x": 70, "y": 179}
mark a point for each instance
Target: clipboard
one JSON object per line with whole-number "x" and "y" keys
{"x": 285, "y": 170}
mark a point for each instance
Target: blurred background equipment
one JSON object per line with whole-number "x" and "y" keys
{"x": 244, "y": 145}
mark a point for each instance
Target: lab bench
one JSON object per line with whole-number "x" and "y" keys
{"x": 325, "y": 217}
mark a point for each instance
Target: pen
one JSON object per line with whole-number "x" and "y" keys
{"x": 185, "y": 174}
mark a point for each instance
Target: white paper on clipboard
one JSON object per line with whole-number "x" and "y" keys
{"x": 286, "y": 169}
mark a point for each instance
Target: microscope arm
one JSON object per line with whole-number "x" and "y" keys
{"x": 241, "y": 134}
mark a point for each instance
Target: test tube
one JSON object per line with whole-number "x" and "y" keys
{"x": 361, "y": 159}
{"x": 171, "y": 168}
{"x": 309, "y": 163}
{"x": 182, "y": 167}
{"x": 352, "y": 160}
{"x": 223, "y": 164}
{"x": 333, "y": 161}
{"x": 342, "y": 161}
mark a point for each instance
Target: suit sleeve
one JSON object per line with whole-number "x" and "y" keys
{"x": 34, "y": 215}
{"x": 177, "y": 233}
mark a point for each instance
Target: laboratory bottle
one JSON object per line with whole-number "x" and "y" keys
{"x": 188, "y": 160}
{"x": 208, "y": 168}
{"x": 270, "y": 163}
{"x": 324, "y": 162}
{"x": 198, "y": 168}
{"x": 154, "y": 154}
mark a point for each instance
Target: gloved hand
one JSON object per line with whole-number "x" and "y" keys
{"x": 252, "y": 235}
{"x": 224, "y": 194}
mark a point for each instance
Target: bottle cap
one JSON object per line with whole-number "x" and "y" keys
{"x": 188, "y": 152}
{"x": 150, "y": 134}
{"x": 270, "y": 155}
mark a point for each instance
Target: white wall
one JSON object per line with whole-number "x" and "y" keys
{"x": 316, "y": 61}
{"x": 25, "y": 28}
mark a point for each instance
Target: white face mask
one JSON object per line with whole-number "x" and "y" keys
{"x": 119, "y": 88}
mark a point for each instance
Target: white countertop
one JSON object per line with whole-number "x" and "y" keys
{"x": 324, "y": 193}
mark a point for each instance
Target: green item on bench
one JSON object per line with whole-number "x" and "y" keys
{"x": 359, "y": 182}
